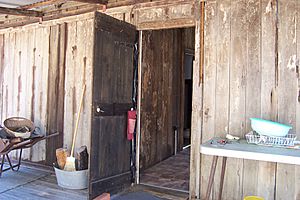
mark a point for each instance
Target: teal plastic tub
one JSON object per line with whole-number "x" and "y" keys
{"x": 269, "y": 128}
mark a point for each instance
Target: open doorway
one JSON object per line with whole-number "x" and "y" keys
{"x": 189, "y": 57}
{"x": 166, "y": 106}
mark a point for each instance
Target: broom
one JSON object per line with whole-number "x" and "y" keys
{"x": 70, "y": 162}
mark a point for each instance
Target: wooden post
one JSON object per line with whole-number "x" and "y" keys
{"x": 138, "y": 131}
{"x": 196, "y": 130}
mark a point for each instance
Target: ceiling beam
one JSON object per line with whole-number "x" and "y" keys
{"x": 93, "y": 1}
{"x": 42, "y": 3}
{"x": 21, "y": 12}
{"x": 12, "y": 5}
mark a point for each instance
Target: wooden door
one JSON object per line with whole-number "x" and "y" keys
{"x": 112, "y": 87}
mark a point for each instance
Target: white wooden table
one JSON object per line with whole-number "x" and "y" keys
{"x": 241, "y": 149}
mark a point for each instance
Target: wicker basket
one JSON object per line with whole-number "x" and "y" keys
{"x": 255, "y": 138}
{"x": 18, "y": 127}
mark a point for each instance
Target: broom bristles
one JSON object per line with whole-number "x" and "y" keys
{"x": 70, "y": 164}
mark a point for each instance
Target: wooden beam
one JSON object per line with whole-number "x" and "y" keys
{"x": 42, "y": 3}
{"x": 21, "y": 12}
{"x": 93, "y": 1}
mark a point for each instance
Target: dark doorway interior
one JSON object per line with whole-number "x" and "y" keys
{"x": 188, "y": 91}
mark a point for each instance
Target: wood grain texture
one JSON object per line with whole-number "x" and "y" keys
{"x": 19, "y": 90}
{"x": 223, "y": 13}
{"x": 56, "y": 76}
{"x": 209, "y": 85}
{"x": 253, "y": 88}
{"x": 233, "y": 184}
{"x": 33, "y": 84}
{"x": 112, "y": 85}
{"x": 247, "y": 59}
{"x": 79, "y": 55}
{"x": 287, "y": 90}
{"x": 196, "y": 126}
{"x": 266, "y": 171}
{"x": 162, "y": 59}
{"x": 297, "y": 170}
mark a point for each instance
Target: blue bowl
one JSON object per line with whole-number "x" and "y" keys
{"x": 269, "y": 128}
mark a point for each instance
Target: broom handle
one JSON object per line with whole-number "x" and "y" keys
{"x": 77, "y": 121}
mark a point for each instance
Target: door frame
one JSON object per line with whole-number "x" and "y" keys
{"x": 196, "y": 131}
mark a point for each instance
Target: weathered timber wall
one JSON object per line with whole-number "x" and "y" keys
{"x": 162, "y": 92}
{"x": 43, "y": 68}
{"x": 161, "y": 66}
{"x": 251, "y": 70}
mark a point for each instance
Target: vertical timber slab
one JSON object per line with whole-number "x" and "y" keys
{"x": 209, "y": 87}
{"x": 267, "y": 170}
{"x": 233, "y": 185}
{"x": 78, "y": 71}
{"x": 69, "y": 83}
{"x": 2, "y": 66}
{"x": 160, "y": 98}
{"x": 253, "y": 88}
{"x": 38, "y": 151}
{"x": 61, "y": 83}
{"x": 223, "y": 25}
{"x": 196, "y": 129}
{"x": 5, "y": 74}
{"x": 297, "y": 170}
{"x": 223, "y": 14}
{"x": 287, "y": 89}
{"x": 52, "y": 93}
{"x": 147, "y": 108}
{"x": 28, "y": 66}
{"x": 79, "y": 81}
{"x": 88, "y": 62}
{"x": 170, "y": 74}
{"x": 160, "y": 79}
{"x": 56, "y": 76}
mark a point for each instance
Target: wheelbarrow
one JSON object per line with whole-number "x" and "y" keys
{"x": 11, "y": 144}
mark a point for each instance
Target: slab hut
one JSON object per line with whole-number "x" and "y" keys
{"x": 246, "y": 65}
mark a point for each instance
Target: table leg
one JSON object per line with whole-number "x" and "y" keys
{"x": 211, "y": 176}
{"x": 222, "y": 177}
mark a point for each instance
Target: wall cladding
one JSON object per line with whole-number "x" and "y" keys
{"x": 43, "y": 68}
{"x": 245, "y": 77}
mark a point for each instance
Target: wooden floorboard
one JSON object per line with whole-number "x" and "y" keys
{"x": 32, "y": 183}
{"x": 172, "y": 173}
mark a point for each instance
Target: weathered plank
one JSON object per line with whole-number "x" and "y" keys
{"x": 253, "y": 87}
{"x": 56, "y": 76}
{"x": 40, "y": 89}
{"x": 69, "y": 84}
{"x": 209, "y": 86}
{"x": 78, "y": 70}
{"x": 233, "y": 185}
{"x": 162, "y": 60}
{"x": 196, "y": 129}
{"x": 287, "y": 90}
{"x": 297, "y": 170}
{"x": 2, "y": 50}
{"x": 223, "y": 23}
{"x": 113, "y": 39}
{"x": 266, "y": 170}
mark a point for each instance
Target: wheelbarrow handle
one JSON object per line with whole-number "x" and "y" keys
{"x": 52, "y": 135}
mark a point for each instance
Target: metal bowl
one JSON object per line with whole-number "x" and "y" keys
{"x": 18, "y": 127}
